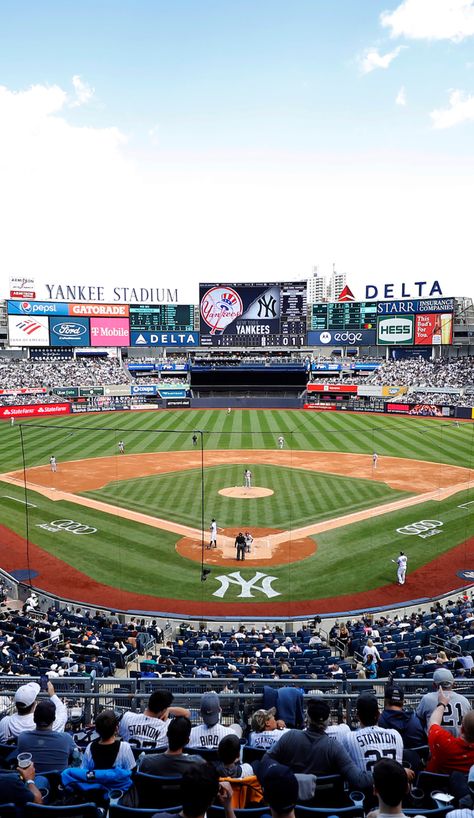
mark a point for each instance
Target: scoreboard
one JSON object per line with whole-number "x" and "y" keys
{"x": 354, "y": 315}
{"x": 162, "y": 317}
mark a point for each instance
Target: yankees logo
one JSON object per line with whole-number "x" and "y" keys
{"x": 267, "y": 307}
{"x": 246, "y": 586}
{"x": 420, "y": 527}
{"x": 67, "y": 525}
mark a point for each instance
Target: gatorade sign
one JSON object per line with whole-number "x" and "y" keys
{"x": 396, "y": 330}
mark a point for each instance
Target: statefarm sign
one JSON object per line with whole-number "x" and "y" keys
{"x": 34, "y": 410}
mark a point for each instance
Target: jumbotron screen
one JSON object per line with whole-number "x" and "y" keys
{"x": 344, "y": 315}
{"x": 162, "y": 317}
{"x": 253, "y": 314}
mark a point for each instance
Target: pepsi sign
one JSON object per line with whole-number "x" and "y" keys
{"x": 343, "y": 337}
{"x": 36, "y": 308}
{"x": 69, "y": 332}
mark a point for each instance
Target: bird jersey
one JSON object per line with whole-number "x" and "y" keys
{"x": 203, "y": 736}
{"x": 369, "y": 744}
{"x": 146, "y": 730}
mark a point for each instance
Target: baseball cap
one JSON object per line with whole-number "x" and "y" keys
{"x": 26, "y": 694}
{"x": 280, "y": 787}
{"x": 318, "y": 710}
{"x": 443, "y": 677}
{"x": 260, "y": 718}
{"x": 394, "y": 694}
{"x": 210, "y": 708}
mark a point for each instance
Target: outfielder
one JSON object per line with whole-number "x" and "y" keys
{"x": 213, "y": 534}
{"x": 53, "y": 463}
{"x": 375, "y": 457}
{"x": 281, "y": 442}
{"x": 121, "y": 447}
{"x": 402, "y": 568}
{"x": 247, "y": 479}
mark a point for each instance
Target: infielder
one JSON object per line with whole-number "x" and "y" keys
{"x": 281, "y": 442}
{"x": 228, "y": 411}
{"x": 121, "y": 447}
{"x": 53, "y": 463}
{"x": 213, "y": 534}
{"x": 247, "y": 479}
{"x": 402, "y": 568}
{"x": 195, "y": 440}
{"x": 375, "y": 457}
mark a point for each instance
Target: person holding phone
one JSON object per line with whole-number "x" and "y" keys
{"x": 25, "y": 703}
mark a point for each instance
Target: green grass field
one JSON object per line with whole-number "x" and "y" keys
{"x": 139, "y": 558}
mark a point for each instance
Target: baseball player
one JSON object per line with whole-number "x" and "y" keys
{"x": 375, "y": 457}
{"x": 121, "y": 447}
{"x": 213, "y": 534}
{"x": 247, "y": 479}
{"x": 248, "y": 541}
{"x": 370, "y": 743}
{"x": 281, "y": 442}
{"x": 53, "y": 463}
{"x": 12, "y": 421}
{"x": 228, "y": 410}
{"x": 402, "y": 568}
{"x": 195, "y": 440}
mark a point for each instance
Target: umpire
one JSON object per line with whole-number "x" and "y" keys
{"x": 240, "y": 546}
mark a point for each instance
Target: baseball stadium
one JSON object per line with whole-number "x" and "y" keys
{"x": 256, "y": 466}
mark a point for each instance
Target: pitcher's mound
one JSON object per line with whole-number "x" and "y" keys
{"x": 243, "y": 494}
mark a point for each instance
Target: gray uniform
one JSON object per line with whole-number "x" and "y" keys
{"x": 453, "y": 712}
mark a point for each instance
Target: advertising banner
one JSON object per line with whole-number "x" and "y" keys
{"x": 172, "y": 393}
{"x": 388, "y": 391}
{"x": 164, "y": 339}
{"x": 346, "y": 337}
{"x": 90, "y": 391}
{"x": 36, "y": 308}
{"x": 100, "y": 310}
{"x": 415, "y": 305}
{"x": 396, "y": 331}
{"x": 434, "y": 328}
{"x": 25, "y": 390}
{"x": 22, "y": 287}
{"x": 109, "y": 332}
{"x": 144, "y": 389}
{"x": 117, "y": 389}
{"x": 332, "y": 387}
{"x": 66, "y": 391}
{"x": 72, "y": 332}
{"x": 174, "y": 403}
{"x": 370, "y": 391}
{"x": 315, "y": 367}
{"x": 34, "y": 410}
{"x": 28, "y": 332}
{"x": 319, "y": 406}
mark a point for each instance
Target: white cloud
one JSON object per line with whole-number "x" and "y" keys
{"x": 461, "y": 109}
{"x": 84, "y": 92}
{"x": 371, "y": 59}
{"x": 431, "y": 20}
{"x": 401, "y": 98}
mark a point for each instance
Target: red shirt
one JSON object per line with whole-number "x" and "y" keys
{"x": 448, "y": 752}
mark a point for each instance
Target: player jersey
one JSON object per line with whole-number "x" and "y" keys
{"x": 146, "y": 730}
{"x": 369, "y": 744}
{"x": 203, "y": 736}
{"x": 453, "y": 712}
{"x": 266, "y": 739}
{"x": 402, "y": 563}
{"x": 213, "y": 530}
{"x": 339, "y": 732}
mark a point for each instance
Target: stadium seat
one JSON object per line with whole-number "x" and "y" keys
{"x": 76, "y": 811}
{"x": 429, "y": 782}
{"x": 158, "y": 791}
{"x": 118, "y": 811}
{"x": 8, "y": 811}
{"x": 325, "y": 812}
{"x": 251, "y": 754}
{"x": 251, "y": 812}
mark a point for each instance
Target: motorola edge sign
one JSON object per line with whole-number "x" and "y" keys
{"x": 346, "y": 337}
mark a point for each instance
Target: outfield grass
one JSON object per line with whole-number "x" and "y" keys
{"x": 300, "y": 496}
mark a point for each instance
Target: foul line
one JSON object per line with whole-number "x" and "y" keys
{"x": 465, "y": 505}
{"x": 17, "y": 500}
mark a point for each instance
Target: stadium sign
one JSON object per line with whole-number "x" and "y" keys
{"x": 415, "y": 306}
{"x": 136, "y": 295}
{"x": 70, "y": 333}
{"x": 35, "y": 410}
{"x": 363, "y": 337}
{"x": 418, "y": 289}
{"x": 28, "y": 332}
{"x": 164, "y": 339}
{"x": 36, "y": 308}
{"x": 22, "y": 287}
{"x": 396, "y": 331}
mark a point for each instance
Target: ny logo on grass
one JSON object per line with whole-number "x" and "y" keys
{"x": 246, "y": 585}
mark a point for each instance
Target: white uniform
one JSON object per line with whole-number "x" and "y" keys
{"x": 121, "y": 447}
{"x": 248, "y": 541}
{"x": 401, "y": 569}
{"x": 266, "y": 739}
{"x": 247, "y": 479}
{"x": 213, "y": 535}
{"x": 53, "y": 464}
{"x": 228, "y": 411}
{"x": 338, "y": 732}
{"x": 12, "y": 421}
{"x": 146, "y": 730}
{"x": 281, "y": 442}
{"x": 203, "y": 736}
{"x": 369, "y": 744}
{"x": 375, "y": 457}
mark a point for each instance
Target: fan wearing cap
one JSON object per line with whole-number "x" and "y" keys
{"x": 50, "y": 750}
{"x": 280, "y": 790}
{"x": 449, "y": 752}
{"x": 404, "y": 721}
{"x": 370, "y": 743}
{"x": 211, "y": 731}
{"x": 23, "y": 719}
{"x": 149, "y": 729}
{"x": 455, "y": 709}
{"x": 313, "y": 751}
{"x": 266, "y": 729}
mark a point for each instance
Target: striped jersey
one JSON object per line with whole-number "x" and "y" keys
{"x": 368, "y": 745}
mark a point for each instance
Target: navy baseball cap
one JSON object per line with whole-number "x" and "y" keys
{"x": 280, "y": 787}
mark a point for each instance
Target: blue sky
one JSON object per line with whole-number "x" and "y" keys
{"x": 234, "y": 140}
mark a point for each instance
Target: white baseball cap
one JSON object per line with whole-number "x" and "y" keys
{"x": 27, "y": 694}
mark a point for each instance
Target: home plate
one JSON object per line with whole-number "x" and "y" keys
{"x": 243, "y": 493}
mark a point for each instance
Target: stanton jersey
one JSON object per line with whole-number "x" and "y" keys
{"x": 147, "y": 731}
{"x": 369, "y": 744}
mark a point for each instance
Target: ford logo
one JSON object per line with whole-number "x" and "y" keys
{"x": 69, "y": 330}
